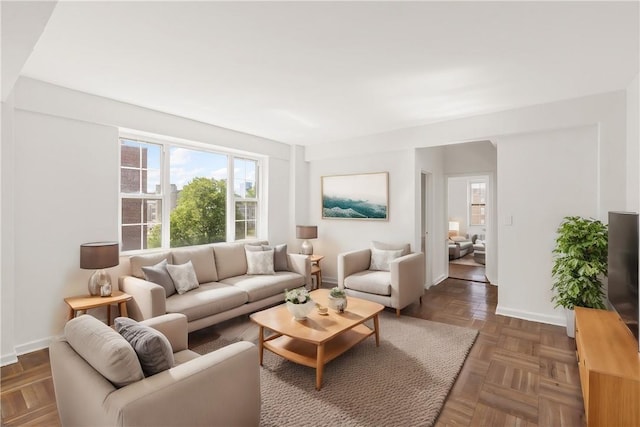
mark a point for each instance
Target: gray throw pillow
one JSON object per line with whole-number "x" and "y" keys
{"x": 152, "y": 347}
{"x": 160, "y": 275}
{"x": 279, "y": 257}
{"x": 184, "y": 277}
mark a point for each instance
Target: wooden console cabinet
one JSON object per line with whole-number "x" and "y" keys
{"x": 609, "y": 365}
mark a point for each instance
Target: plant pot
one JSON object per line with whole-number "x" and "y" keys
{"x": 300, "y": 311}
{"x": 338, "y": 304}
{"x": 571, "y": 322}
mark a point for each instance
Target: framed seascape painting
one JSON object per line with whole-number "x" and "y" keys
{"x": 361, "y": 196}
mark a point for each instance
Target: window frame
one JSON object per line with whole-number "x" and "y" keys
{"x": 166, "y": 143}
{"x": 471, "y": 204}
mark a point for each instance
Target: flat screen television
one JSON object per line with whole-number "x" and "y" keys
{"x": 622, "y": 274}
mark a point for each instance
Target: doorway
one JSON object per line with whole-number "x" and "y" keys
{"x": 468, "y": 220}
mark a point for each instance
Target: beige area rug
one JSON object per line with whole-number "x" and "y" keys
{"x": 404, "y": 382}
{"x": 468, "y": 259}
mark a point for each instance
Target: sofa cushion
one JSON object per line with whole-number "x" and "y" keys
{"x": 138, "y": 261}
{"x": 230, "y": 260}
{"x": 280, "y": 261}
{"x": 371, "y": 282}
{"x": 184, "y": 277}
{"x": 159, "y": 274}
{"x": 260, "y": 287}
{"x": 207, "y": 300}
{"x": 152, "y": 347}
{"x": 104, "y": 349}
{"x": 203, "y": 261}
{"x": 259, "y": 262}
{"x": 380, "y": 259}
{"x": 405, "y": 247}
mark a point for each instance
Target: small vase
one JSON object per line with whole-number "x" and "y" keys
{"x": 338, "y": 304}
{"x": 300, "y": 311}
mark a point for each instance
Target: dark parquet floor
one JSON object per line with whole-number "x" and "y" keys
{"x": 519, "y": 373}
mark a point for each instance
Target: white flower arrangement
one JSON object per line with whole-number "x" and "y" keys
{"x": 297, "y": 296}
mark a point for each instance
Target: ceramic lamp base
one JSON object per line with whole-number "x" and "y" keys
{"x": 307, "y": 248}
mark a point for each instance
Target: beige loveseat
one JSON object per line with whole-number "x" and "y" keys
{"x": 99, "y": 380}
{"x": 225, "y": 289}
{"x": 396, "y": 282}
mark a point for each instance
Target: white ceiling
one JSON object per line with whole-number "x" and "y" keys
{"x": 313, "y": 72}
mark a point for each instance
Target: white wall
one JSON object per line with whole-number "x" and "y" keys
{"x": 633, "y": 146}
{"x": 457, "y": 207}
{"x": 431, "y": 160}
{"x": 60, "y": 188}
{"x": 341, "y": 235}
{"x": 7, "y": 233}
{"x": 543, "y": 178}
{"x": 66, "y": 193}
{"x": 604, "y": 112}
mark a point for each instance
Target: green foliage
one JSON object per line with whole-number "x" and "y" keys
{"x": 580, "y": 260}
{"x": 200, "y": 214}
{"x": 336, "y": 292}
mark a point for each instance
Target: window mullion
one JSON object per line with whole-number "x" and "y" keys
{"x": 231, "y": 201}
{"x": 165, "y": 180}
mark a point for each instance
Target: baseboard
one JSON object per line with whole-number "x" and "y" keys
{"x": 8, "y": 359}
{"x": 21, "y": 349}
{"x": 534, "y": 317}
{"x": 439, "y": 280}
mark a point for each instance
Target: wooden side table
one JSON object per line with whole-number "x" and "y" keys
{"x": 85, "y": 302}
{"x": 316, "y": 270}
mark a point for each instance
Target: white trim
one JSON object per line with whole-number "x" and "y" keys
{"x": 8, "y": 359}
{"x": 29, "y": 348}
{"x": 534, "y": 317}
{"x": 440, "y": 279}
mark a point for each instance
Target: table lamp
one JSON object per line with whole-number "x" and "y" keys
{"x": 307, "y": 232}
{"x": 98, "y": 256}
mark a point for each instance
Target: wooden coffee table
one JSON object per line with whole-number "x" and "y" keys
{"x": 318, "y": 339}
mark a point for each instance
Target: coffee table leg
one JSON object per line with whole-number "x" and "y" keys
{"x": 261, "y": 343}
{"x": 319, "y": 365}
{"x": 376, "y": 328}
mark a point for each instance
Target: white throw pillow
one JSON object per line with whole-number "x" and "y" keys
{"x": 183, "y": 276}
{"x": 380, "y": 258}
{"x": 260, "y": 262}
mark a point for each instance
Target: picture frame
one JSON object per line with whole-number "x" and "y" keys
{"x": 362, "y": 196}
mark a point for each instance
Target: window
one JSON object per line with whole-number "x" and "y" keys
{"x": 478, "y": 198}
{"x": 190, "y": 183}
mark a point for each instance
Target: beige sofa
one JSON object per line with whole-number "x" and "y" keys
{"x": 396, "y": 286}
{"x": 225, "y": 289}
{"x": 98, "y": 380}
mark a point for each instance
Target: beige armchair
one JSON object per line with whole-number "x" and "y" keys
{"x": 221, "y": 388}
{"x": 397, "y": 287}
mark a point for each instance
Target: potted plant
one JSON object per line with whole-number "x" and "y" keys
{"x": 299, "y": 303}
{"x": 580, "y": 262}
{"x": 338, "y": 299}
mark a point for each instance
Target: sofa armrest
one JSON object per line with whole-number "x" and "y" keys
{"x": 174, "y": 327}
{"x": 352, "y": 262}
{"x": 300, "y": 264}
{"x": 149, "y": 299}
{"x": 221, "y": 388}
{"x": 407, "y": 278}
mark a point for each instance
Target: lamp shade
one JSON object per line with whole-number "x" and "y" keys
{"x": 99, "y": 255}
{"x": 454, "y": 226}
{"x": 306, "y": 231}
